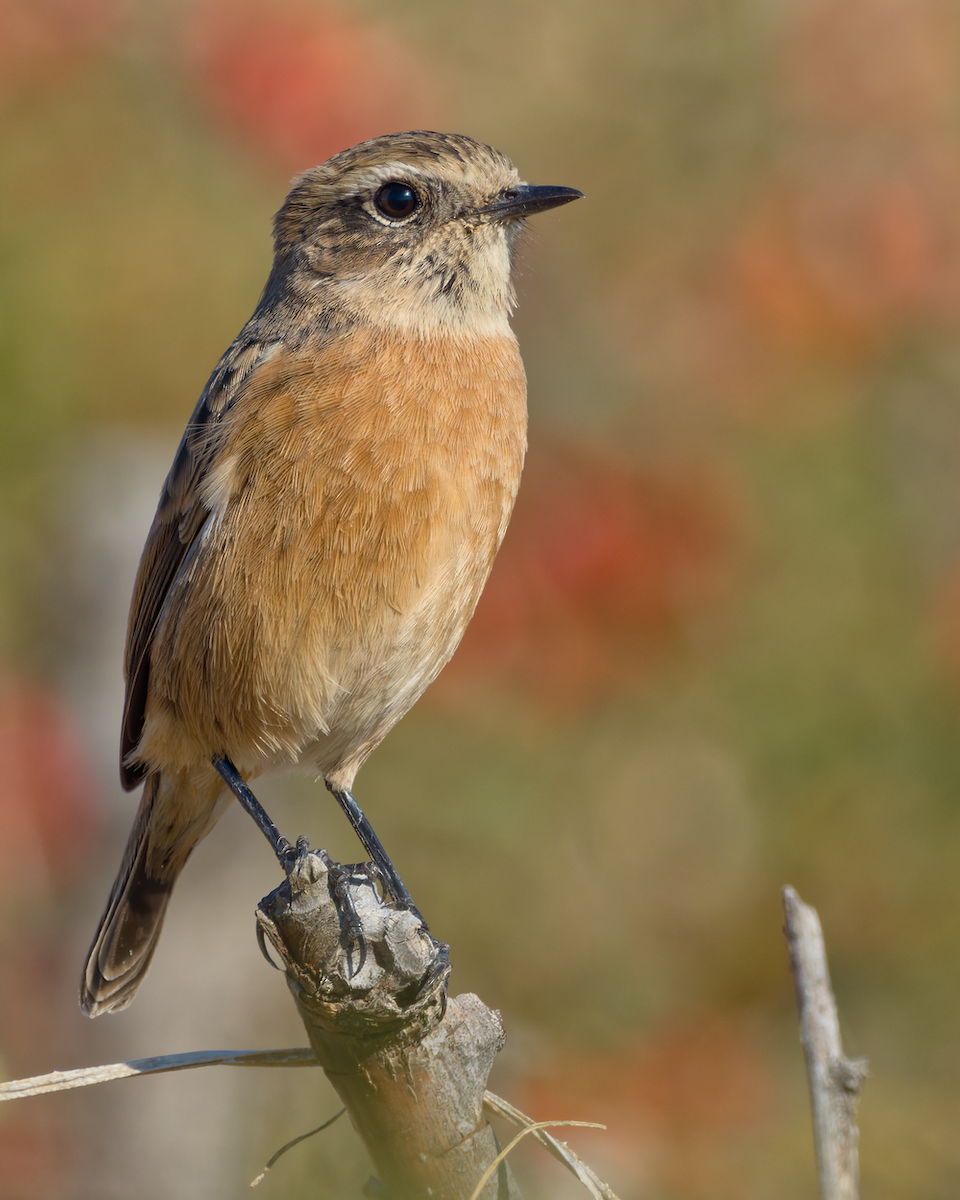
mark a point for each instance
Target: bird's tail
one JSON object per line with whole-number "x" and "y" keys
{"x": 130, "y": 926}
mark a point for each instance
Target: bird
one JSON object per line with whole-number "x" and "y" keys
{"x": 332, "y": 512}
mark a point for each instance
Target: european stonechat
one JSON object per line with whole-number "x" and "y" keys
{"x": 334, "y": 508}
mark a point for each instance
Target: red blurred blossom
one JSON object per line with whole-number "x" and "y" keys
{"x": 40, "y": 40}
{"x": 704, "y": 1072}
{"x": 303, "y": 81}
{"x": 48, "y": 809}
{"x": 671, "y": 1104}
{"x": 49, "y": 818}
{"x": 603, "y": 570}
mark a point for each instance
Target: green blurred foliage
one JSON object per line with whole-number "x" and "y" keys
{"x": 745, "y": 675}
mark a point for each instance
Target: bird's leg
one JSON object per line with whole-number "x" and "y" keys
{"x": 381, "y": 860}
{"x": 286, "y": 854}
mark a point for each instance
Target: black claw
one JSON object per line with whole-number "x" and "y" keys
{"x": 262, "y": 943}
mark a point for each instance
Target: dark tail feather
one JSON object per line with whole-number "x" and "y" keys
{"x": 130, "y": 926}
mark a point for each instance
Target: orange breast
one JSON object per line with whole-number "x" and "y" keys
{"x": 362, "y": 492}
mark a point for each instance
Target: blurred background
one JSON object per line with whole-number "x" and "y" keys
{"x": 720, "y": 651}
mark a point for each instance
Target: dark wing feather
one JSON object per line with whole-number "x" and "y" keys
{"x": 181, "y": 515}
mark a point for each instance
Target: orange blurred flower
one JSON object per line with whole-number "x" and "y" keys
{"x": 884, "y": 64}
{"x": 851, "y": 239}
{"x": 860, "y": 234}
{"x": 40, "y": 40}
{"x": 835, "y": 262}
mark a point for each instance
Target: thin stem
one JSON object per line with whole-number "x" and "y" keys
{"x": 834, "y": 1080}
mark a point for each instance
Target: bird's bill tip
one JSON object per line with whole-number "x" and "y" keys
{"x": 527, "y": 198}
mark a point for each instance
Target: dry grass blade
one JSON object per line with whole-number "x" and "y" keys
{"x": 561, "y": 1152}
{"x": 532, "y": 1128}
{"x": 61, "y": 1081}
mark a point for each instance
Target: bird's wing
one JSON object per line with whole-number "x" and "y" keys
{"x": 177, "y": 526}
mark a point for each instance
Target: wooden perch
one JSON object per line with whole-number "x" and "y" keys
{"x": 834, "y": 1080}
{"x": 370, "y": 985}
{"x": 410, "y": 1067}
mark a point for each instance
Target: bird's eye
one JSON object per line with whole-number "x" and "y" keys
{"x": 397, "y": 200}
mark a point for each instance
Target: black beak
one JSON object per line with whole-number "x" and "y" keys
{"x": 526, "y": 199}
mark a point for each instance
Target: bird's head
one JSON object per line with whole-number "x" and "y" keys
{"x": 413, "y": 230}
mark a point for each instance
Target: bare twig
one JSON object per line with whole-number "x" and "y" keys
{"x": 834, "y": 1080}
{"x": 302, "y": 1137}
